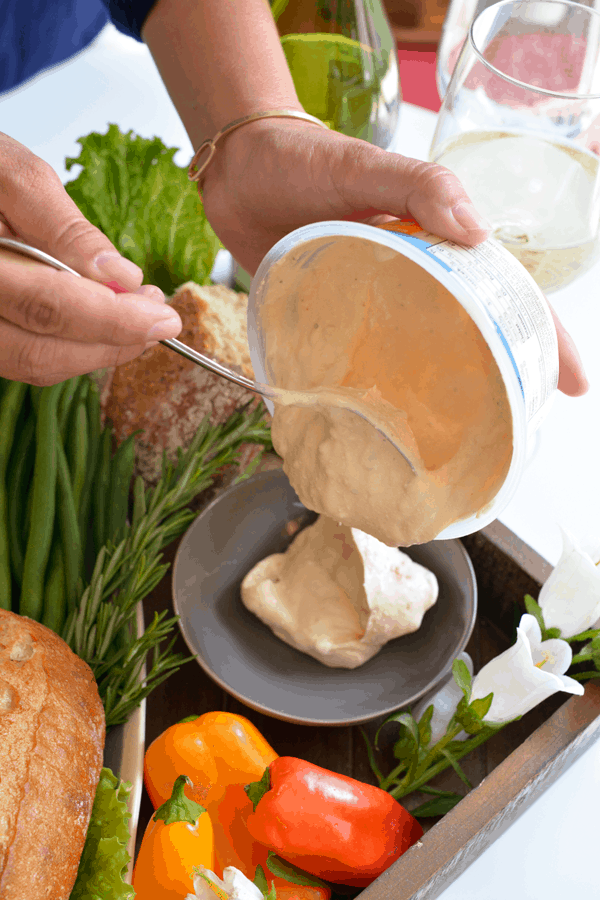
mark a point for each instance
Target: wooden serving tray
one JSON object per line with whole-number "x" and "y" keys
{"x": 508, "y": 772}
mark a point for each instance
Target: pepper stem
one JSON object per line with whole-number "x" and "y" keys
{"x": 257, "y": 789}
{"x": 179, "y": 808}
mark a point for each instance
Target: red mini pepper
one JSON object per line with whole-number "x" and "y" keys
{"x": 332, "y": 826}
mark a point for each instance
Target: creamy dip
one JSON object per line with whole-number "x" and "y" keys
{"x": 351, "y": 313}
{"x": 339, "y": 594}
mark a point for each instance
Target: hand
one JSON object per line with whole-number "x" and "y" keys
{"x": 275, "y": 175}
{"x": 52, "y": 325}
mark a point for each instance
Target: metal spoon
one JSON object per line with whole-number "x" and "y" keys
{"x": 352, "y": 400}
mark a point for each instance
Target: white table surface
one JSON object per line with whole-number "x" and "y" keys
{"x": 550, "y": 852}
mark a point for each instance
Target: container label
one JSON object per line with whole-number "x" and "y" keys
{"x": 512, "y": 301}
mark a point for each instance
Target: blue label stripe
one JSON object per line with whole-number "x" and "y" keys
{"x": 424, "y": 246}
{"x": 511, "y": 357}
{"x": 421, "y": 245}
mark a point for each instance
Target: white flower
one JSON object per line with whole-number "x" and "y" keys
{"x": 525, "y": 674}
{"x": 570, "y": 598}
{"x": 445, "y": 700}
{"x": 234, "y": 885}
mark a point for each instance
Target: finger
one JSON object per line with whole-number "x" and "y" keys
{"x": 572, "y": 379}
{"x": 371, "y": 179}
{"x": 41, "y": 360}
{"x": 44, "y": 301}
{"x": 36, "y": 207}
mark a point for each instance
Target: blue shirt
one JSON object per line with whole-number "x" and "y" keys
{"x": 38, "y": 34}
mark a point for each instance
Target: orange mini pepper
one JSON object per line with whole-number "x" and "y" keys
{"x": 330, "y": 825}
{"x": 179, "y": 837}
{"x": 221, "y": 752}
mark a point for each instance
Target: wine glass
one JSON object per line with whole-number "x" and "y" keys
{"x": 519, "y": 126}
{"x": 342, "y": 56}
{"x": 457, "y": 21}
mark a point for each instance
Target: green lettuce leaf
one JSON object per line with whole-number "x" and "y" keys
{"x": 130, "y": 188}
{"x": 104, "y": 859}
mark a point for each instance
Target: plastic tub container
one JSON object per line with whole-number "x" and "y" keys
{"x": 500, "y": 296}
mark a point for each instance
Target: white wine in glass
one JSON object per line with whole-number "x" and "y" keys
{"x": 520, "y": 132}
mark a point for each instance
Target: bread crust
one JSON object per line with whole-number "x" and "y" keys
{"x": 166, "y": 395}
{"x": 51, "y": 746}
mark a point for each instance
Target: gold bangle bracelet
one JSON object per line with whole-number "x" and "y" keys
{"x": 209, "y": 146}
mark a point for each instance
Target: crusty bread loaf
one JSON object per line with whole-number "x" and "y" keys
{"x": 51, "y": 745}
{"x": 167, "y": 396}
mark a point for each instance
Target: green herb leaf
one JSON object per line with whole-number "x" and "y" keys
{"x": 408, "y": 745}
{"x": 130, "y": 188}
{"x": 454, "y": 763}
{"x": 371, "y": 756}
{"x": 293, "y": 874}
{"x": 104, "y": 859}
{"x": 425, "y": 726}
{"x": 260, "y": 880}
{"x": 426, "y": 789}
{"x": 462, "y": 677}
{"x": 584, "y": 635}
{"x": 534, "y": 609}
{"x": 470, "y": 715}
{"x": 257, "y": 789}
{"x": 583, "y": 676}
{"x": 481, "y": 707}
{"x": 437, "y": 807}
{"x": 551, "y": 633}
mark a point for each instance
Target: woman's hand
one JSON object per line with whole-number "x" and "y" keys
{"x": 52, "y": 325}
{"x": 275, "y": 175}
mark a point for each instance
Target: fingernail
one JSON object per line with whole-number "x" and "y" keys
{"x": 116, "y": 287}
{"x": 151, "y": 292}
{"x": 113, "y": 267}
{"x": 469, "y": 219}
{"x": 169, "y": 327}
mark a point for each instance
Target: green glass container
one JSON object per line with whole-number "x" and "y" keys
{"x": 343, "y": 60}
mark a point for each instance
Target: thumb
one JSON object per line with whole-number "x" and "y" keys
{"x": 396, "y": 185}
{"x": 39, "y": 211}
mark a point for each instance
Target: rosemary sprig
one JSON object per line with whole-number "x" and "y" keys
{"x": 101, "y": 630}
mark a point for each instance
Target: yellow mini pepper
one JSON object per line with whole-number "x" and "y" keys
{"x": 178, "y": 838}
{"x": 222, "y": 752}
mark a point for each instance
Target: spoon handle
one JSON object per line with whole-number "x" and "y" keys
{"x": 172, "y": 343}
{"x": 213, "y": 366}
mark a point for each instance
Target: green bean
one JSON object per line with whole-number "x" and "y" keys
{"x": 43, "y": 504}
{"x": 70, "y": 538}
{"x": 71, "y": 391}
{"x": 94, "y": 432}
{"x": 10, "y": 405}
{"x": 100, "y": 489}
{"x": 118, "y": 498}
{"x": 35, "y": 392}
{"x": 18, "y": 479}
{"x": 28, "y": 507}
{"x": 55, "y": 600}
{"x": 76, "y": 444}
